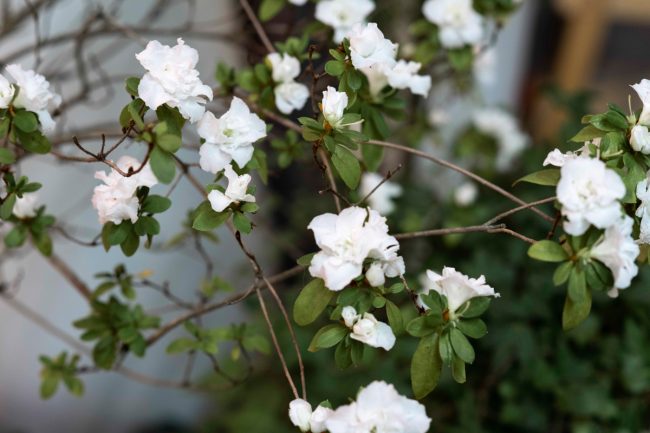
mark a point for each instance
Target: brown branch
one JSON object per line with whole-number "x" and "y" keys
{"x": 259, "y": 29}
{"x": 330, "y": 177}
{"x": 69, "y": 275}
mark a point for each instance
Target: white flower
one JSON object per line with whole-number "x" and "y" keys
{"x": 372, "y": 332}
{"x": 370, "y": 49}
{"x": 319, "y": 418}
{"x": 379, "y": 409}
{"x": 346, "y": 240}
{"x": 34, "y": 95}
{"x": 459, "y": 24}
{"x": 557, "y": 158}
{"x": 333, "y": 105}
{"x": 285, "y": 68}
{"x": 235, "y": 192}
{"x": 466, "y": 194}
{"x": 618, "y": 251}
{"x": 229, "y": 137}
{"x": 300, "y": 414}
{"x": 290, "y": 96}
{"x": 503, "y": 127}
{"x": 640, "y": 139}
{"x": 26, "y": 206}
{"x": 375, "y": 275}
{"x": 404, "y": 76}
{"x": 343, "y": 15}
{"x": 172, "y": 79}
{"x": 589, "y": 193}
{"x": 6, "y": 92}
{"x": 643, "y": 212}
{"x": 643, "y": 90}
{"x": 381, "y": 199}
{"x": 115, "y": 200}
{"x": 457, "y": 287}
{"x": 350, "y": 316}
{"x": 298, "y": 2}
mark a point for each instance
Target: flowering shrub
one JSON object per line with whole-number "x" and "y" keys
{"x": 362, "y": 299}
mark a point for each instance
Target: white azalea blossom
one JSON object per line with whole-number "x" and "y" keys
{"x": 589, "y": 193}
{"x": 643, "y": 212}
{"x": 235, "y": 191}
{"x": 172, "y": 79}
{"x": 26, "y": 206}
{"x": 558, "y": 159}
{"x": 284, "y": 68}
{"x": 343, "y": 15}
{"x": 502, "y": 126}
{"x": 319, "y": 418}
{"x": 368, "y": 330}
{"x": 640, "y": 139}
{"x": 115, "y": 200}
{"x": 370, "y": 49}
{"x": 229, "y": 137}
{"x": 298, "y": 2}
{"x": 34, "y": 95}
{"x": 456, "y": 286}
{"x": 618, "y": 251}
{"x": 346, "y": 241}
{"x": 404, "y": 76}
{"x": 350, "y": 316}
{"x": 6, "y": 92}
{"x": 333, "y": 106}
{"x": 382, "y": 198}
{"x": 290, "y": 96}
{"x": 379, "y": 408}
{"x": 643, "y": 90}
{"x": 466, "y": 194}
{"x": 459, "y": 24}
{"x": 300, "y": 414}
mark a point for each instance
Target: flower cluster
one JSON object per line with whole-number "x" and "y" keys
{"x": 343, "y": 15}
{"x": 30, "y": 91}
{"x": 289, "y": 94}
{"x": 115, "y": 200}
{"x": 236, "y": 191}
{"x": 172, "y": 79}
{"x": 367, "y": 329}
{"x": 458, "y": 288}
{"x": 347, "y": 240}
{"x": 376, "y": 56}
{"x": 230, "y": 137}
{"x": 502, "y": 126}
{"x": 458, "y": 23}
{"x": 306, "y": 419}
{"x": 381, "y": 198}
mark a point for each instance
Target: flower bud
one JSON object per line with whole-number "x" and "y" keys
{"x": 300, "y": 414}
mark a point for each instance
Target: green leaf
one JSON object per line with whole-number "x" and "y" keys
{"x": 33, "y": 142}
{"x": 7, "y": 156}
{"x": 131, "y": 85}
{"x": 575, "y": 313}
{"x": 424, "y": 325}
{"x": 475, "y": 307}
{"x": 328, "y": 336}
{"x": 105, "y": 353}
{"x": 347, "y": 166}
{"x": 547, "y": 177}
{"x": 206, "y": 219}
{"x": 74, "y": 384}
{"x": 270, "y": 8}
{"x": 458, "y": 370}
{"x": 156, "y": 204}
{"x": 305, "y": 260}
{"x": 130, "y": 245}
{"x": 49, "y": 385}
{"x": 116, "y": 234}
{"x": 163, "y": 165}
{"x": 335, "y": 68}
{"x": 7, "y": 207}
{"x": 395, "y": 319}
{"x": 548, "y": 251}
{"x": 445, "y": 350}
{"x": 169, "y": 142}
{"x": 462, "y": 347}
{"x": 241, "y": 222}
{"x": 562, "y": 272}
{"x": 577, "y": 289}
{"x": 461, "y": 59}
{"x": 26, "y": 121}
{"x": 473, "y": 328}
{"x": 181, "y": 345}
{"x": 147, "y": 225}
{"x": 372, "y": 156}
{"x": 426, "y": 366}
{"x": 311, "y": 302}
{"x": 16, "y": 237}
{"x": 587, "y": 133}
